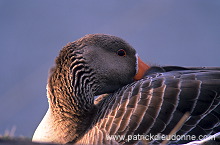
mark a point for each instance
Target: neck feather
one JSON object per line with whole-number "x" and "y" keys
{"x": 70, "y": 90}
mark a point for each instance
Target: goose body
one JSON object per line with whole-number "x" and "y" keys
{"x": 133, "y": 98}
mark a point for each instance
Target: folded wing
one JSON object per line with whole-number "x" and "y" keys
{"x": 156, "y": 103}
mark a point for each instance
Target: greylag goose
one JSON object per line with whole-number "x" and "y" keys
{"x": 135, "y": 101}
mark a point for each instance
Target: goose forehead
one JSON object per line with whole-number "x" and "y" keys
{"x": 104, "y": 41}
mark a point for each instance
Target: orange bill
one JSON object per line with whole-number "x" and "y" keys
{"x": 142, "y": 68}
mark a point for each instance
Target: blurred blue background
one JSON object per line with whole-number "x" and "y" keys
{"x": 171, "y": 32}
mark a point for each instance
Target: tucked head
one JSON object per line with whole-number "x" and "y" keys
{"x": 104, "y": 61}
{"x": 93, "y": 65}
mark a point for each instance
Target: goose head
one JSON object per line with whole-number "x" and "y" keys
{"x": 97, "y": 63}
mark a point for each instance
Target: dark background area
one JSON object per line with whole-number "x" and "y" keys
{"x": 171, "y": 32}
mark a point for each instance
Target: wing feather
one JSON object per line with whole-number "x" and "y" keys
{"x": 157, "y": 103}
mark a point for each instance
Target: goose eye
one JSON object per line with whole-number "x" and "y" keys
{"x": 121, "y": 52}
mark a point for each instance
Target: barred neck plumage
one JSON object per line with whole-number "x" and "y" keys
{"x": 93, "y": 65}
{"x": 72, "y": 83}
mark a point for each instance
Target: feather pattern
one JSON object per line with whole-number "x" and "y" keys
{"x": 98, "y": 64}
{"x": 156, "y": 103}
